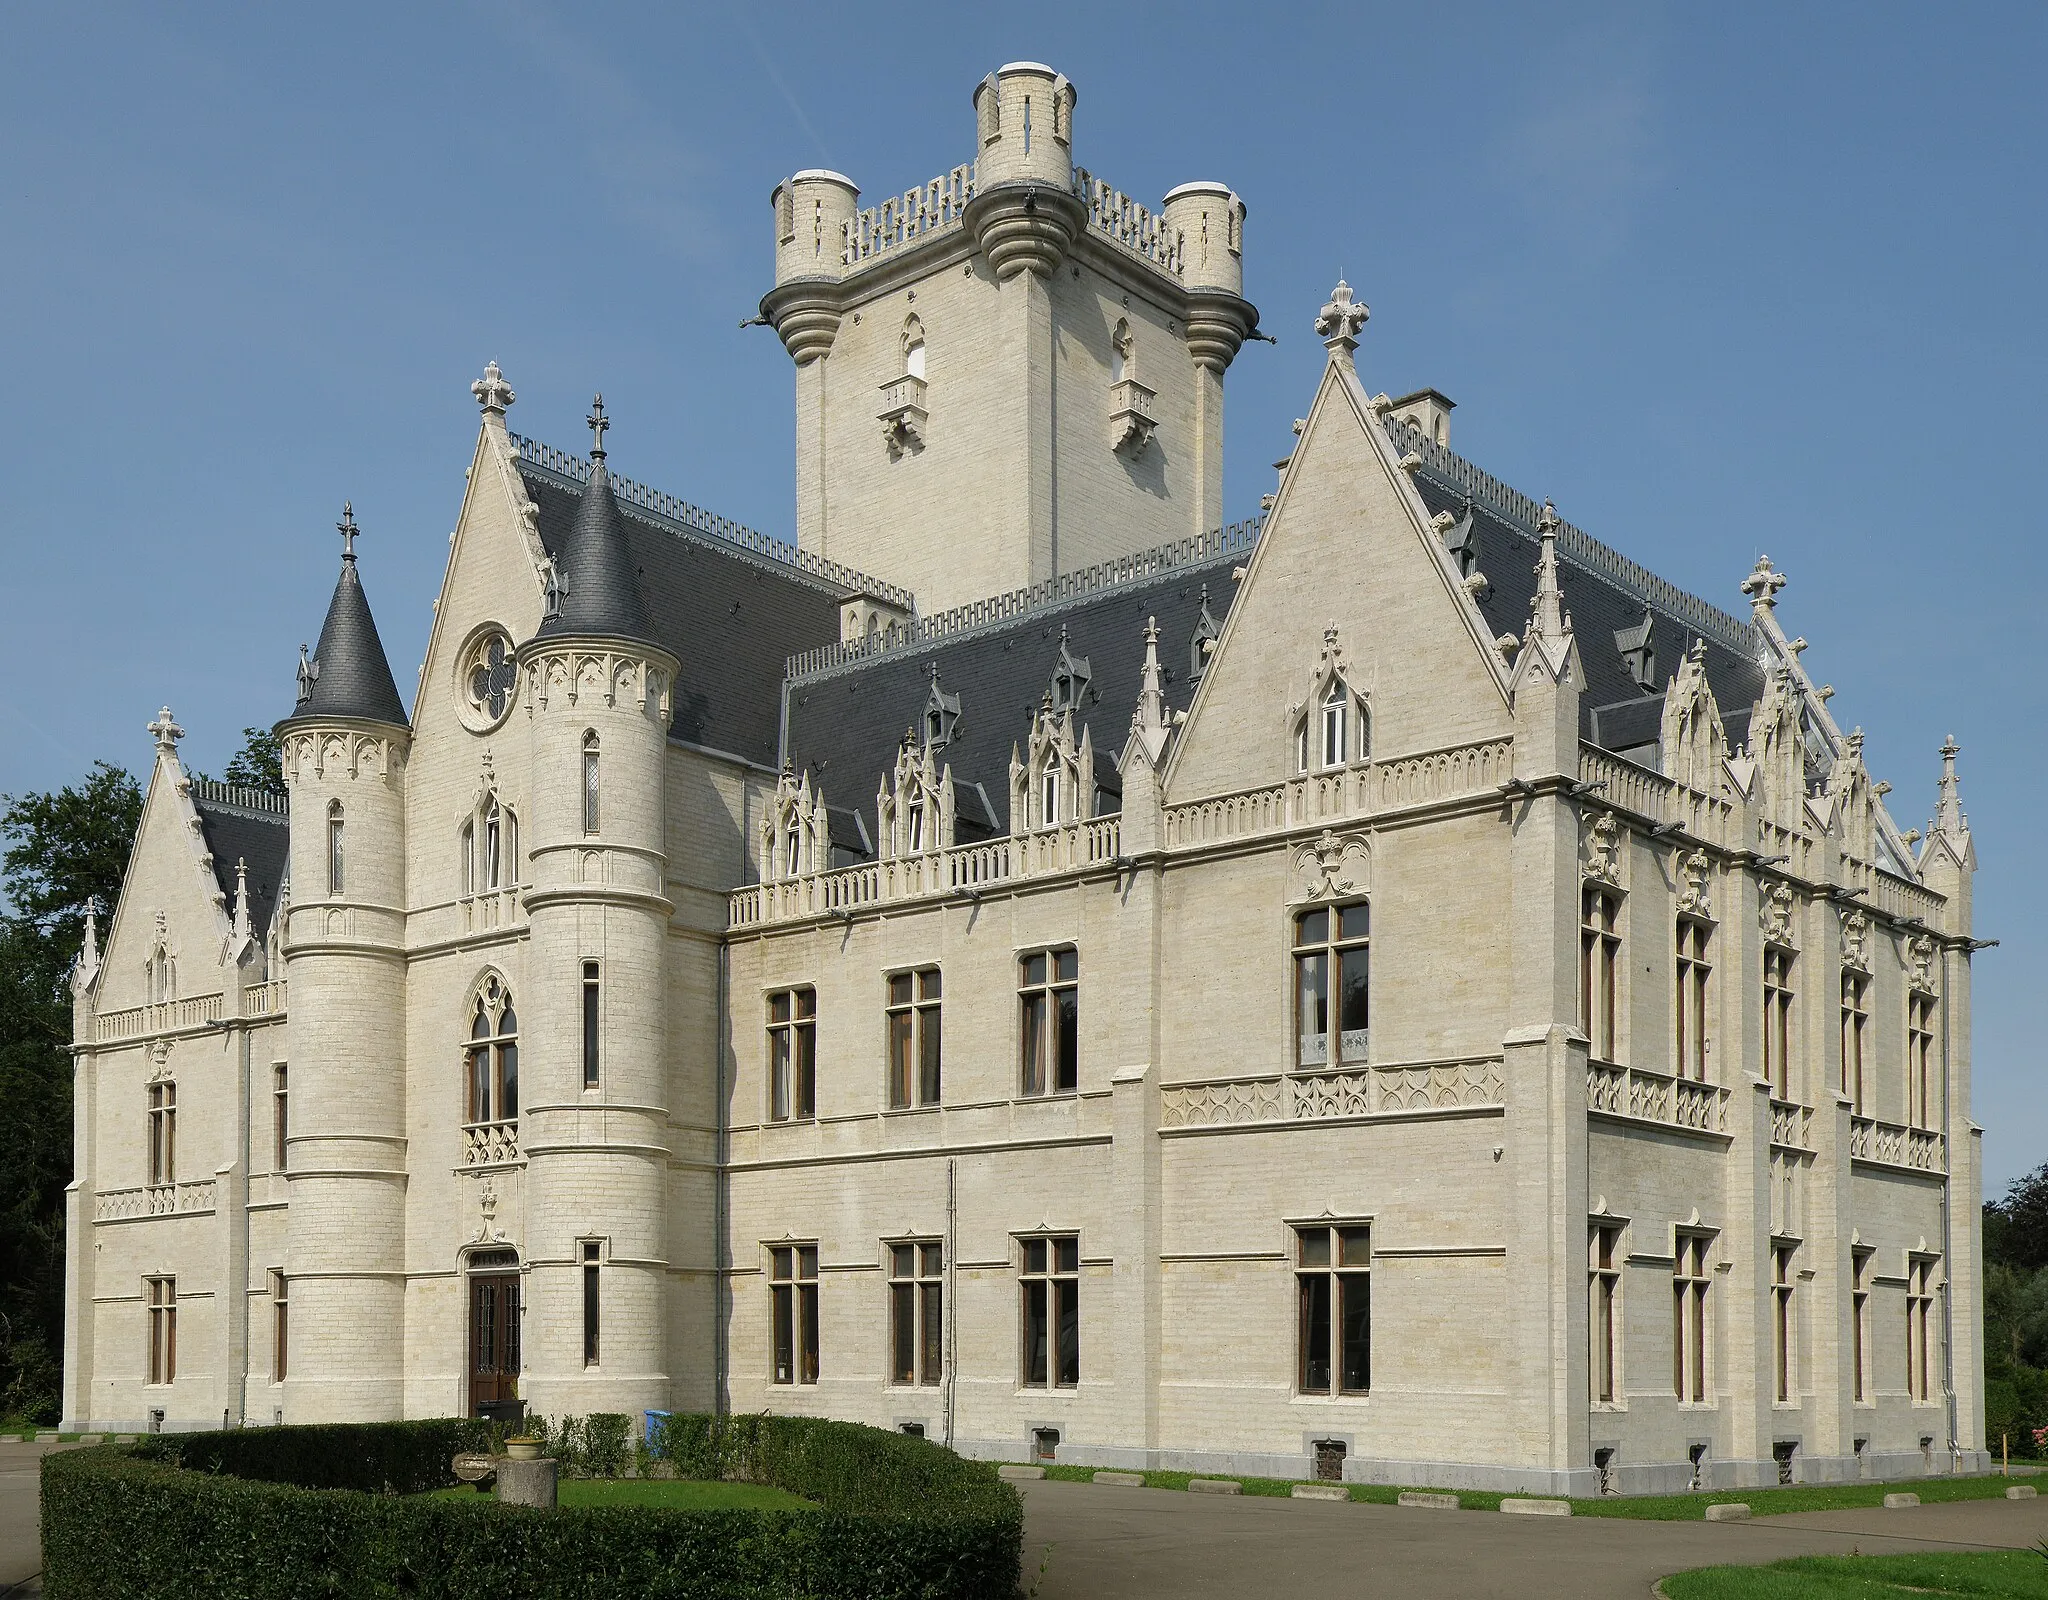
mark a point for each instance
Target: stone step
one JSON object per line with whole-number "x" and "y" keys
{"x": 1214, "y": 1486}
{"x": 1516, "y": 1507}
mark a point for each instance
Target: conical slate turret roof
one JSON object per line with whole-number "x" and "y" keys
{"x": 596, "y": 588}
{"x": 347, "y": 675}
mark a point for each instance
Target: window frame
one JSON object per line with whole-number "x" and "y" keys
{"x": 1326, "y": 1277}
{"x": 793, "y": 1314}
{"x": 160, "y": 1297}
{"x": 592, "y": 748}
{"x": 792, "y": 1033}
{"x": 593, "y": 1023}
{"x": 1855, "y": 1014}
{"x": 280, "y": 1114}
{"x": 1784, "y": 1327}
{"x": 163, "y": 1133}
{"x": 1921, "y": 1289}
{"x": 1862, "y": 1326}
{"x": 337, "y": 850}
{"x": 1920, "y": 1072}
{"x": 1048, "y": 1028}
{"x": 280, "y": 1324}
{"x": 1054, "y": 1283}
{"x": 1780, "y": 994}
{"x": 1604, "y": 1323}
{"x": 914, "y": 1034}
{"x": 1692, "y": 1279}
{"x": 491, "y": 1059}
{"x": 1325, "y": 955}
{"x": 590, "y": 1257}
{"x": 1694, "y": 971}
{"x": 917, "y": 1311}
{"x": 1600, "y": 971}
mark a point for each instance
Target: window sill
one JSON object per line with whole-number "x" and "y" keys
{"x": 1349, "y": 1397}
{"x": 1610, "y": 1407}
{"x": 1064, "y": 1390}
{"x": 914, "y": 1111}
{"x": 1053, "y": 1094}
{"x": 791, "y": 1122}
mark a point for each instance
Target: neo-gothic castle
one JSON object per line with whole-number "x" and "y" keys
{"x": 1391, "y": 988}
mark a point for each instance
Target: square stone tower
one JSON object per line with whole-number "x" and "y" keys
{"x": 1013, "y": 371}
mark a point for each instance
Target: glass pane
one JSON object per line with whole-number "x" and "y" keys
{"x": 1034, "y": 1255}
{"x": 807, "y": 1002}
{"x": 508, "y": 1081}
{"x": 1312, "y": 1008}
{"x": 1354, "y": 1246}
{"x": 1034, "y": 1334}
{"x": 806, "y": 1261}
{"x": 508, "y": 1020}
{"x": 902, "y": 1260}
{"x": 778, "y": 1007}
{"x": 779, "y": 1260}
{"x": 778, "y": 1075}
{"x": 899, "y": 989}
{"x": 903, "y": 1332}
{"x": 928, "y": 1067}
{"x": 1314, "y": 1313}
{"x": 1356, "y": 1293}
{"x": 1066, "y": 965}
{"x": 928, "y": 984}
{"x": 481, "y": 1027}
{"x": 807, "y": 1306}
{"x": 1312, "y": 927}
{"x": 1069, "y": 1068}
{"x": 899, "y": 1059}
{"x": 479, "y": 1087}
{"x": 931, "y": 1259}
{"x": 1034, "y": 969}
{"x": 1067, "y": 1300}
{"x": 784, "y": 1335}
{"x": 932, "y": 1358}
{"x": 1066, "y": 1255}
{"x": 1034, "y": 1044}
{"x": 1315, "y": 1247}
{"x": 1354, "y": 922}
{"x": 806, "y": 1072}
{"x": 1353, "y": 989}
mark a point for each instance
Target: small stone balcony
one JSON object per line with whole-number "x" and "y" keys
{"x": 903, "y": 413}
{"x": 1133, "y": 417}
{"x": 490, "y": 1144}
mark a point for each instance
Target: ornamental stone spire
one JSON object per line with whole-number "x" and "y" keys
{"x": 1340, "y": 321}
{"x": 1149, "y": 722}
{"x": 1948, "y": 811}
{"x": 1547, "y": 616}
{"x": 1762, "y": 586}
{"x": 493, "y": 394}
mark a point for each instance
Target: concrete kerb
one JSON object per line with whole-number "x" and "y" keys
{"x": 1900, "y": 1502}
{"x": 1319, "y": 1491}
{"x": 1019, "y": 1474}
{"x": 1214, "y": 1486}
{"x": 1517, "y": 1507}
{"x": 1730, "y": 1511}
{"x": 2022, "y": 1491}
{"x": 1428, "y": 1501}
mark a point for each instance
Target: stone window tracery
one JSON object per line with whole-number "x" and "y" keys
{"x": 492, "y": 1055}
{"x": 1332, "y": 985}
{"x": 489, "y": 679}
{"x": 490, "y": 847}
{"x": 1332, "y": 726}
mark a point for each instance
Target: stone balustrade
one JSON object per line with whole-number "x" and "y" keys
{"x": 490, "y": 1144}
{"x": 1370, "y": 1091}
{"x": 265, "y": 999}
{"x": 1640, "y": 1095}
{"x": 166, "y": 1016}
{"x": 1891, "y": 1145}
{"x": 1791, "y": 1125}
{"x": 153, "y": 1200}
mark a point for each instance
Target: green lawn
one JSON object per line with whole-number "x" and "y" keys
{"x": 1649, "y": 1507}
{"x": 668, "y": 1494}
{"x": 2021, "y": 1574}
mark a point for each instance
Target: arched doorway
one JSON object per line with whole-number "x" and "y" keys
{"x": 493, "y": 1290}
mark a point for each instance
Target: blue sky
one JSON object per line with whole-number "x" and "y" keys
{"x": 1718, "y": 280}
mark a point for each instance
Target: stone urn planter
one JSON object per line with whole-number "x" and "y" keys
{"x": 523, "y": 1449}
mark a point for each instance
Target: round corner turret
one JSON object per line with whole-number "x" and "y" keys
{"x": 1206, "y": 221}
{"x": 813, "y": 209}
{"x": 1024, "y": 126}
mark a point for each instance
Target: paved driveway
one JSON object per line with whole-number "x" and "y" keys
{"x": 1153, "y": 1542}
{"x": 20, "y": 1504}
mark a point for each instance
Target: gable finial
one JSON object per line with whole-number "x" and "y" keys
{"x": 597, "y": 422}
{"x": 1340, "y": 320}
{"x": 1948, "y": 814}
{"x": 1149, "y": 722}
{"x": 348, "y": 530}
{"x": 1547, "y": 617}
{"x": 492, "y": 392}
{"x": 166, "y": 732}
{"x": 1762, "y": 585}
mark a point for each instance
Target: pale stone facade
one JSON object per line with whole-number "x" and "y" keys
{"x": 1638, "y": 1162}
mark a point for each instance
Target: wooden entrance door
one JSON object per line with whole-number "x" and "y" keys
{"x": 493, "y": 1338}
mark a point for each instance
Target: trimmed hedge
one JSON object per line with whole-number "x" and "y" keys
{"x": 260, "y": 1513}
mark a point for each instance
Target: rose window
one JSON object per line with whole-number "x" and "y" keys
{"x": 490, "y": 676}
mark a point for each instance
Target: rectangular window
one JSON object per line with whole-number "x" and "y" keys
{"x": 913, "y": 1014}
{"x": 917, "y": 1312}
{"x": 1599, "y": 970}
{"x": 280, "y": 1116}
{"x": 1919, "y": 1316}
{"x": 1778, "y": 1021}
{"x": 1923, "y": 1102}
{"x": 1332, "y": 970}
{"x": 591, "y": 1251}
{"x": 1859, "y": 1319}
{"x": 1689, "y": 1281}
{"x": 593, "y": 997}
{"x": 590, "y": 783}
{"x": 163, "y": 1329}
{"x": 163, "y": 1133}
{"x": 1781, "y": 1317}
{"x": 1603, "y": 1285}
{"x": 1855, "y": 1027}
{"x": 1333, "y": 1309}
{"x": 1050, "y": 1284}
{"x": 1050, "y": 997}
{"x": 793, "y": 1295}
{"x": 280, "y": 1318}
{"x": 792, "y": 1054}
{"x": 335, "y": 848}
{"x": 1695, "y": 966}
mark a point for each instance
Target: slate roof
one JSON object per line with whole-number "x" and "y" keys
{"x": 845, "y": 724}
{"x": 730, "y": 617}
{"x": 353, "y": 678}
{"x": 241, "y": 825}
{"x": 597, "y": 593}
{"x": 1604, "y": 594}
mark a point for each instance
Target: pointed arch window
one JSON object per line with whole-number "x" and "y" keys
{"x": 913, "y": 349}
{"x": 1122, "y": 353}
{"x": 1049, "y": 793}
{"x": 590, "y": 782}
{"x": 1335, "y": 724}
{"x": 492, "y": 1055}
{"x": 337, "y": 844}
{"x": 490, "y": 847}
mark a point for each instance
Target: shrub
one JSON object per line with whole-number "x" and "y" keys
{"x": 268, "y": 1516}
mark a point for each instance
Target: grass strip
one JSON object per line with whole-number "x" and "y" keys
{"x": 2017, "y": 1574}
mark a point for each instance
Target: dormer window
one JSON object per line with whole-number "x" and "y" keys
{"x": 1639, "y": 653}
{"x": 1049, "y": 794}
{"x": 917, "y": 826}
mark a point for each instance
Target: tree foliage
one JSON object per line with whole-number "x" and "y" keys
{"x": 65, "y": 850}
{"x": 259, "y": 764}
{"x": 2016, "y": 1315}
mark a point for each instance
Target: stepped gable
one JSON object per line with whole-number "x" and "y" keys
{"x": 729, "y": 616}
{"x": 846, "y": 724}
{"x": 252, "y": 827}
{"x": 1602, "y": 598}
